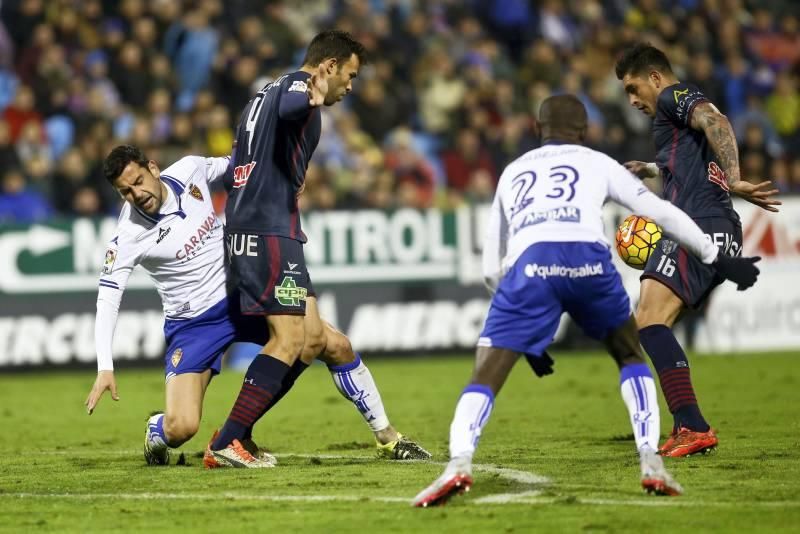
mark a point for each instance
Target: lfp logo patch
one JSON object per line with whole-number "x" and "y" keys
{"x": 108, "y": 263}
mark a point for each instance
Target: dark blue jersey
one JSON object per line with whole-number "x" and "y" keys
{"x": 277, "y": 134}
{"x": 693, "y": 178}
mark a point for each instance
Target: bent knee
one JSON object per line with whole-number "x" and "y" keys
{"x": 290, "y": 346}
{"x": 287, "y": 341}
{"x": 180, "y": 429}
{"x": 658, "y": 304}
{"x": 315, "y": 344}
{"x": 649, "y": 316}
{"x": 339, "y": 350}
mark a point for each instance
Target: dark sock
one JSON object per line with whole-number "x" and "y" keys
{"x": 262, "y": 382}
{"x": 288, "y": 381}
{"x": 672, "y": 367}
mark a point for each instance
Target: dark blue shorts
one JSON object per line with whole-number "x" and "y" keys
{"x": 269, "y": 273}
{"x": 547, "y": 280}
{"x": 198, "y": 344}
{"x": 688, "y": 277}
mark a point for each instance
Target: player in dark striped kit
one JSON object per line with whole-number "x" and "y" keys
{"x": 277, "y": 134}
{"x": 698, "y": 160}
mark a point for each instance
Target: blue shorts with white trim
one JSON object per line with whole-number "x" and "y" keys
{"x": 547, "y": 280}
{"x": 198, "y": 344}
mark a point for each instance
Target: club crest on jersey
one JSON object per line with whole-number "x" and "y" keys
{"x": 288, "y": 294}
{"x": 668, "y": 246}
{"x": 717, "y": 176}
{"x": 242, "y": 173}
{"x": 195, "y": 192}
{"x": 108, "y": 263}
{"x": 176, "y": 357}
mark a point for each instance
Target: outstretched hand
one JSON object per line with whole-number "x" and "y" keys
{"x": 741, "y": 271}
{"x": 105, "y": 381}
{"x": 759, "y": 194}
{"x": 641, "y": 169}
{"x": 318, "y": 86}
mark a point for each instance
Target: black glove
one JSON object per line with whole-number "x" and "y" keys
{"x": 541, "y": 365}
{"x": 742, "y": 271}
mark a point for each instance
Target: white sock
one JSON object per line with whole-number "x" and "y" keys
{"x": 354, "y": 382}
{"x": 639, "y": 393}
{"x": 472, "y": 413}
{"x": 155, "y": 432}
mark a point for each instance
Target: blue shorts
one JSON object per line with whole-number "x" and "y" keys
{"x": 547, "y": 280}
{"x": 197, "y": 344}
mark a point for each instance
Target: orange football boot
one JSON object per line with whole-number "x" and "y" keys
{"x": 688, "y": 442}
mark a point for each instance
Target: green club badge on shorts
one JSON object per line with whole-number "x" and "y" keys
{"x": 288, "y": 294}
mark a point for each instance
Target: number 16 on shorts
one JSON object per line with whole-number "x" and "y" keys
{"x": 666, "y": 266}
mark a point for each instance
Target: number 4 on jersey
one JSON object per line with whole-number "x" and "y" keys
{"x": 252, "y": 119}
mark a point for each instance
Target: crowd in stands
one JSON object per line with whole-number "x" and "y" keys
{"x": 447, "y": 100}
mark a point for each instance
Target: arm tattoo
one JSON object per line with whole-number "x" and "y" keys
{"x": 719, "y": 133}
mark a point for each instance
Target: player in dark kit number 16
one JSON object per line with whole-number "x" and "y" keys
{"x": 698, "y": 160}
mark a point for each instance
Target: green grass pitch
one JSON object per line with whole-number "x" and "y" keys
{"x": 568, "y": 466}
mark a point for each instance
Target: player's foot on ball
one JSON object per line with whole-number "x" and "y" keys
{"x": 156, "y": 452}
{"x": 234, "y": 455}
{"x": 456, "y": 479}
{"x": 402, "y": 449}
{"x": 262, "y": 454}
{"x": 655, "y": 477}
{"x": 689, "y": 442}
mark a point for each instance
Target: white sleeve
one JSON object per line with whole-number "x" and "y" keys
{"x": 120, "y": 260}
{"x": 494, "y": 244}
{"x": 105, "y": 322}
{"x": 216, "y": 168}
{"x": 625, "y": 189}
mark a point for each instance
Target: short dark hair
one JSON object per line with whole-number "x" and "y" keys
{"x": 336, "y": 44}
{"x": 119, "y": 158}
{"x": 562, "y": 117}
{"x": 642, "y": 57}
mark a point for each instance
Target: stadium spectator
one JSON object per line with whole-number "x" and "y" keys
{"x": 20, "y": 203}
{"x": 21, "y": 112}
{"x": 165, "y": 73}
{"x": 69, "y": 178}
{"x": 466, "y": 157}
{"x": 413, "y": 175}
{"x": 783, "y": 107}
{"x": 8, "y": 154}
{"x": 191, "y": 44}
{"x": 378, "y": 111}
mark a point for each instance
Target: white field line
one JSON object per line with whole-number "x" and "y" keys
{"x": 532, "y": 497}
{"x": 203, "y": 496}
{"x": 529, "y": 498}
{"x": 524, "y": 497}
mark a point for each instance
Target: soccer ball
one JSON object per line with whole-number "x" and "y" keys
{"x": 636, "y": 240}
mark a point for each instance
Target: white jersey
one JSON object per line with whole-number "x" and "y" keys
{"x": 556, "y": 194}
{"x": 181, "y": 248}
